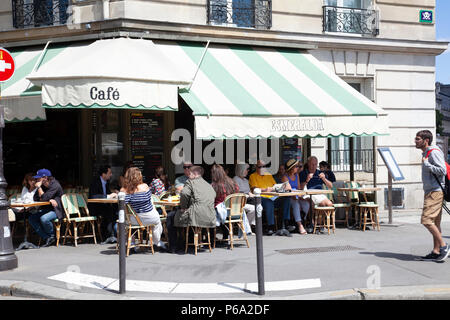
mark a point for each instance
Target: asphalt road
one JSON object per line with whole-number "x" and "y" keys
{"x": 344, "y": 260}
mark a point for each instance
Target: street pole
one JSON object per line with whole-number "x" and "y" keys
{"x": 259, "y": 242}
{"x": 122, "y": 251}
{"x": 8, "y": 259}
{"x": 390, "y": 196}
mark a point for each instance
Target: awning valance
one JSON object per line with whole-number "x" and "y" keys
{"x": 247, "y": 92}
{"x": 114, "y": 73}
{"x": 21, "y": 99}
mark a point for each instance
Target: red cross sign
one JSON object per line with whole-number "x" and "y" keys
{"x": 7, "y": 65}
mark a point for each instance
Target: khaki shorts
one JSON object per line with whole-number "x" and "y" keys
{"x": 432, "y": 208}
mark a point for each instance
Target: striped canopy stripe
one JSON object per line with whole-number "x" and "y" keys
{"x": 252, "y": 87}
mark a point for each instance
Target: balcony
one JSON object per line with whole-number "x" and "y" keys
{"x": 39, "y": 13}
{"x": 363, "y": 160}
{"x": 350, "y": 20}
{"x": 240, "y": 13}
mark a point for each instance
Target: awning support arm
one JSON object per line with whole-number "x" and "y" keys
{"x": 38, "y": 62}
{"x": 199, "y": 64}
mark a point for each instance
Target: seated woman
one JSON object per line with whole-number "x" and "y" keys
{"x": 27, "y": 194}
{"x": 241, "y": 180}
{"x": 223, "y": 185}
{"x": 160, "y": 183}
{"x": 297, "y": 203}
{"x": 197, "y": 207}
{"x": 139, "y": 196}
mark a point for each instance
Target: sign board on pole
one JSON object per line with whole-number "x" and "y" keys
{"x": 391, "y": 164}
{"x": 7, "y": 65}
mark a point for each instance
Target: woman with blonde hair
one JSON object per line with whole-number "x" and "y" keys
{"x": 139, "y": 197}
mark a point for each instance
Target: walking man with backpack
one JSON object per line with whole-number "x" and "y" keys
{"x": 433, "y": 178}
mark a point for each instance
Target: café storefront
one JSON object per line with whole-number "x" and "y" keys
{"x": 215, "y": 91}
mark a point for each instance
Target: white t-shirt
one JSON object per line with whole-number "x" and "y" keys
{"x": 26, "y": 195}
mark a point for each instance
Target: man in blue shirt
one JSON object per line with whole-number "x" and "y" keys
{"x": 313, "y": 178}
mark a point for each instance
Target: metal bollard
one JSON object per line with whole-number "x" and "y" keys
{"x": 259, "y": 241}
{"x": 122, "y": 244}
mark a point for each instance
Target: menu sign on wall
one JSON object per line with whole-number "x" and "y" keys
{"x": 291, "y": 150}
{"x": 146, "y": 142}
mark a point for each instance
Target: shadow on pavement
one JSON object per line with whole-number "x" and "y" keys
{"x": 393, "y": 255}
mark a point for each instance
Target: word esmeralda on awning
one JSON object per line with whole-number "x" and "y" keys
{"x": 117, "y": 73}
{"x": 249, "y": 92}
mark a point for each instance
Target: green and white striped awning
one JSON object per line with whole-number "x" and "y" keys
{"x": 22, "y": 100}
{"x": 248, "y": 92}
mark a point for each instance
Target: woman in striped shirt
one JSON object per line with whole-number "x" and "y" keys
{"x": 139, "y": 197}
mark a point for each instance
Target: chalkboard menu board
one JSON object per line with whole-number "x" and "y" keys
{"x": 147, "y": 142}
{"x": 291, "y": 150}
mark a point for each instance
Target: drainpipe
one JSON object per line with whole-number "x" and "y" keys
{"x": 105, "y": 9}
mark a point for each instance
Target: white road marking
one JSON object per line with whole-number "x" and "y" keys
{"x": 105, "y": 283}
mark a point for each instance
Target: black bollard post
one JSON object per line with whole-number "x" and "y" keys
{"x": 122, "y": 244}
{"x": 259, "y": 241}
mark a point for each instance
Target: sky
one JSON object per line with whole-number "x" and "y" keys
{"x": 442, "y": 15}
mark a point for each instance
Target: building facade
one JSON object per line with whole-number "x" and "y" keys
{"x": 385, "y": 49}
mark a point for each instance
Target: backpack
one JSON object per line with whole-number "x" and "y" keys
{"x": 446, "y": 188}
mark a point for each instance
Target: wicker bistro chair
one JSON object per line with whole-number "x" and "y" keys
{"x": 363, "y": 208}
{"x": 77, "y": 217}
{"x": 198, "y": 240}
{"x": 235, "y": 204}
{"x": 324, "y": 217}
{"x": 337, "y": 203}
{"x": 143, "y": 234}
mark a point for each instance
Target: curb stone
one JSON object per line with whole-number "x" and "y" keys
{"x": 28, "y": 289}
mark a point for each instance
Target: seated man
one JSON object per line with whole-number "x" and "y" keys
{"x": 47, "y": 189}
{"x": 181, "y": 180}
{"x": 313, "y": 178}
{"x": 325, "y": 168}
{"x": 197, "y": 207}
{"x": 100, "y": 188}
{"x": 265, "y": 181}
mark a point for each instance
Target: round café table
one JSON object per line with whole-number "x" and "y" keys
{"x": 25, "y": 244}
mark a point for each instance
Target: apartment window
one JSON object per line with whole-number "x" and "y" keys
{"x": 240, "y": 13}
{"x": 350, "y": 16}
{"x": 38, "y": 13}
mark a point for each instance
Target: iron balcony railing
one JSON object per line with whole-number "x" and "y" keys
{"x": 240, "y": 13}
{"x": 350, "y": 20}
{"x": 38, "y": 13}
{"x": 363, "y": 160}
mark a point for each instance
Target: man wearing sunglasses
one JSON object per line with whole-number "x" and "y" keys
{"x": 180, "y": 181}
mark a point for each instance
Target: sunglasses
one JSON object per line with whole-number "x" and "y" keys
{"x": 186, "y": 167}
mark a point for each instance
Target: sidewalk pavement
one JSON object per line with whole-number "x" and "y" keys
{"x": 349, "y": 265}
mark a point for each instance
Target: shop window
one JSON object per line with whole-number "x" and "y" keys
{"x": 350, "y": 16}
{"x": 240, "y": 13}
